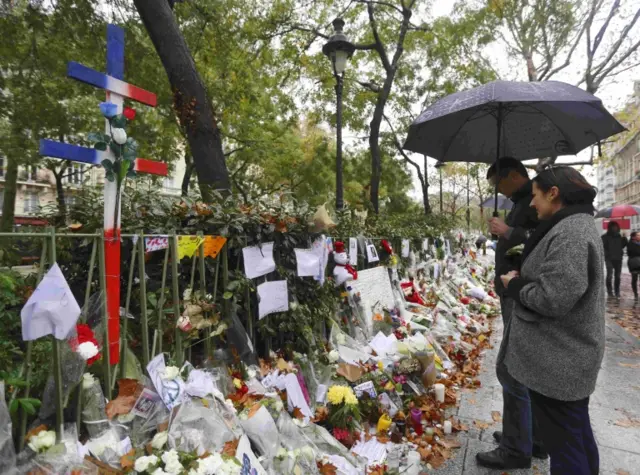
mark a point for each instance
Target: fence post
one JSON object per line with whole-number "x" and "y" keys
{"x": 173, "y": 242}
{"x": 161, "y": 299}
{"x": 127, "y": 303}
{"x": 57, "y": 367}
{"x": 203, "y": 292}
{"x": 87, "y": 294}
{"x": 103, "y": 291}
{"x": 143, "y": 301}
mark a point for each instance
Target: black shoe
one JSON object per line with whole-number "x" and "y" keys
{"x": 537, "y": 451}
{"x": 499, "y": 458}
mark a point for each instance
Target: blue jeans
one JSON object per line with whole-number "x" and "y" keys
{"x": 566, "y": 432}
{"x": 519, "y": 430}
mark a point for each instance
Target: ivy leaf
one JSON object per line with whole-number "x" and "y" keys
{"x": 129, "y": 154}
{"x": 119, "y": 121}
{"x": 233, "y": 285}
{"x": 98, "y": 137}
{"x": 13, "y": 408}
{"x": 27, "y": 406}
{"x": 100, "y": 146}
{"x": 110, "y": 176}
{"x": 107, "y": 164}
{"x": 131, "y": 174}
{"x": 227, "y": 295}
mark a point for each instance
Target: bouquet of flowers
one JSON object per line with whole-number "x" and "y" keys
{"x": 94, "y": 414}
{"x": 344, "y": 412}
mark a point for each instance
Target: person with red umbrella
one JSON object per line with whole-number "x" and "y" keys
{"x": 614, "y": 244}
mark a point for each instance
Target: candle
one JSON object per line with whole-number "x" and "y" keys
{"x": 384, "y": 423}
{"x": 439, "y": 392}
{"x": 447, "y": 427}
{"x": 416, "y": 418}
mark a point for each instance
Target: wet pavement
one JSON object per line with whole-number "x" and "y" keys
{"x": 614, "y": 407}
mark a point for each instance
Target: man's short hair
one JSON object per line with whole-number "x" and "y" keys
{"x": 507, "y": 164}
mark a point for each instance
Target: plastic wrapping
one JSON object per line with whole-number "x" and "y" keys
{"x": 263, "y": 433}
{"x": 199, "y": 428}
{"x": 143, "y": 429}
{"x": 61, "y": 458}
{"x": 94, "y": 416}
{"x": 7, "y": 452}
{"x": 239, "y": 342}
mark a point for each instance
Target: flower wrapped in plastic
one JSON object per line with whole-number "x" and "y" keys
{"x": 94, "y": 415}
{"x": 262, "y": 431}
{"x": 45, "y": 456}
{"x": 7, "y": 452}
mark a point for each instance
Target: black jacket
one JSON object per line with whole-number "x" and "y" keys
{"x": 522, "y": 219}
{"x": 614, "y": 245}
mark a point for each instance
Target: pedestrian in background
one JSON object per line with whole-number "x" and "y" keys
{"x": 614, "y": 244}
{"x": 555, "y": 341}
{"x": 633, "y": 252}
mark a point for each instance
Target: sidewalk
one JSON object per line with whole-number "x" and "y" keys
{"x": 614, "y": 408}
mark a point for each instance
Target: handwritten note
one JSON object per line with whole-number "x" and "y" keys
{"x": 187, "y": 245}
{"x": 308, "y": 262}
{"x": 366, "y": 387}
{"x": 273, "y": 297}
{"x": 258, "y": 261}
{"x": 406, "y": 248}
{"x": 156, "y": 243}
{"x": 372, "y": 253}
{"x": 353, "y": 251}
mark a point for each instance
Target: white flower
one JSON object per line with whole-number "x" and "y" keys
{"x": 159, "y": 440}
{"x": 293, "y": 305}
{"x": 279, "y": 406}
{"x": 119, "y": 136}
{"x": 308, "y": 453}
{"x": 170, "y": 373}
{"x": 87, "y": 350}
{"x": 215, "y": 465}
{"x": 341, "y": 339}
{"x": 251, "y": 373}
{"x": 124, "y": 418}
{"x": 229, "y": 404}
{"x": 187, "y": 293}
{"x": 144, "y": 463}
{"x": 87, "y": 380}
{"x": 160, "y": 471}
{"x": 333, "y": 356}
{"x": 172, "y": 463}
{"x": 42, "y": 441}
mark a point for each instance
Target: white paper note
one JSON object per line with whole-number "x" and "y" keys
{"x": 200, "y": 383}
{"x": 247, "y": 458}
{"x": 51, "y": 309}
{"x": 372, "y": 253}
{"x": 272, "y": 297}
{"x": 171, "y": 391}
{"x": 436, "y": 271}
{"x": 308, "y": 262}
{"x": 320, "y": 246}
{"x": 321, "y": 393}
{"x": 295, "y": 396}
{"x": 373, "y": 451}
{"x": 258, "y": 261}
{"x": 156, "y": 243}
{"x": 353, "y": 251}
{"x": 406, "y": 248}
{"x": 383, "y": 344}
{"x": 425, "y": 244}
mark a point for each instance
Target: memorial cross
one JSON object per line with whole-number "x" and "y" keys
{"x": 117, "y": 90}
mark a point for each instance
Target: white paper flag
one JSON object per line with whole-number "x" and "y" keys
{"x": 258, "y": 261}
{"x": 308, "y": 262}
{"x": 425, "y": 244}
{"x": 372, "y": 253}
{"x": 406, "y": 248}
{"x": 51, "y": 310}
{"x": 353, "y": 251}
{"x": 156, "y": 243}
{"x": 272, "y": 297}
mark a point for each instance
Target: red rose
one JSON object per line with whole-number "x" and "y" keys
{"x": 465, "y": 300}
{"x": 129, "y": 113}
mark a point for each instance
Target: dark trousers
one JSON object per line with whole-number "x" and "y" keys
{"x": 614, "y": 269}
{"x": 634, "y": 283}
{"x": 566, "y": 433}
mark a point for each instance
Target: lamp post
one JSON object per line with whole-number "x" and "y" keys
{"x": 338, "y": 49}
{"x": 468, "y": 203}
{"x": 439, "y": 166}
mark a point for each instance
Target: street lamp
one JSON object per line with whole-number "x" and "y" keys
{"x": 439, "y": 166}
{"x": 338, "y": 49}
{"x": 468, "y": 203}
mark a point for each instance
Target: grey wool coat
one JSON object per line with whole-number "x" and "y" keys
{"x": 554, "y": 340}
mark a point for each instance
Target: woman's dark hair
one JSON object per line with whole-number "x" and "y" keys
{"x": 574, "y": 188}
{"x": 633, "y": 234}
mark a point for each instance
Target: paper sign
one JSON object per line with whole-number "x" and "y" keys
{"x": 187, "y": 245}
{"x": 372, "y": 450}
{"x": 258, "y": 261}
{"x": 321, "y": 247}
{"x": 272, "y": 297}
{"x": 321, "y": 393}
{"x": 372, "y": 253}
{"x": 388, "y": 404}
{"x": 51, "y": 309}
{"x": 295, "y": 396}
{"x": 156, "y": 243}
{"x": 353, "y": 251}
{"x": 425, "y": 244}
{"x": 436, "y": 271}
{"x": 145, "y": 403}
{"x": 200, "y": 383}
{"x": 406, "y": 248}
{"x": 383, "y": 344}
{"x": 366, "y": 387}
{"x": 213, "y": 245}
{"x": 248, "y": 460}
{"x": 374, "y": 288}
{"x": 171, "y": 391}
{"x": 308, "y": 262}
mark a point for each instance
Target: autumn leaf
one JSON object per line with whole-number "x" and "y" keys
{"x": 230, "y": 448}
{"x": 322, "y": 413}
{"x": 481, "y": 425}
{"x": 297, "y": 413}
{"x": 35, "y": 431}
{"x": 128, "y": 460}
{"x": 496, "y": 416}
{"x": 622, "y": 472}
{"x": 450, "y": 443}
{"x": 628, "y": 423}
{"x": 327, "y": 469}
{"x": 630, "y": 365}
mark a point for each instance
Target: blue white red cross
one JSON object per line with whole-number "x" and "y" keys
{"x": 117, "y": 91}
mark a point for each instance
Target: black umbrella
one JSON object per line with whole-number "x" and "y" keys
{"x": 504, "y": 203}
{"x": 523, "y": 120}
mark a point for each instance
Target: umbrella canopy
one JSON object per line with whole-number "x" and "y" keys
{"x": 619, "y": 211}
{"x": 504, "y": 203}
{"x": 535, "y": 120}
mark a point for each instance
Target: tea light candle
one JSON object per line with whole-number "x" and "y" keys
{"x": 384, "y": 423}
{"x": 439, "y": 392}
{"x": 447, "y": 427}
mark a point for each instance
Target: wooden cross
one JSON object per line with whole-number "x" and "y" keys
{"x": 116, "y": 90}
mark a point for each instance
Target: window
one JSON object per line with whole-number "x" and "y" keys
{"x": 31, "y": 202}
{"x": 75, "y": 174}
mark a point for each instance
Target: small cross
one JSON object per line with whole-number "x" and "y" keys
{"x": 117, "y": 90}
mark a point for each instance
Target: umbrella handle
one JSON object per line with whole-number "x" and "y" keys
{"x": 496, "y": 214}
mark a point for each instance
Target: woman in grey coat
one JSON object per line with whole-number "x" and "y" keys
{"x": 555, "y": 339}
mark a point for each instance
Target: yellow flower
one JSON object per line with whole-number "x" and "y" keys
{"x": 350, "y": 398}
{"x": 389, "y": 386}
{"x": 237, "y": 383}
{"x": 380, "y": 365}
{"x": 336, "y": 395}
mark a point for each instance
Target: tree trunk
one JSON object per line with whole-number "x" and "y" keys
{"x": 531, "y": 68}
{"x": 188, "y": 171}
{"x": 425, "y": 189}
{"x": 192, "y": 106}
{"x": 10, "y": 190}
{"x": 62, "y": 204}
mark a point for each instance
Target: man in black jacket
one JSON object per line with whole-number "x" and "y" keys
{"x": 614, "y": 245}
{"x": 519, "y": 439}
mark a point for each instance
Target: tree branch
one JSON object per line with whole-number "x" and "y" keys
{"x": 379, "y": 45}
{"x": 616, "y": 46}
{"x": 605, "y": 25}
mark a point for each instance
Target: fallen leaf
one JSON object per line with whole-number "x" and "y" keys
{"x": 128, "y": 460}
{"x": 322, "y": 413}
{"x": 327, "y": 469}
{"x": 450, "y": 443}
{"x": 297, "y": 413}
{"x": 627, "y": 423}
{"x": 496, "y": 416}
{"x": 630, "y": 365}
{"x": 481, "y": 425}
{"x": 230, "y": 448}
{"x": 35, "y": 431}
{"x": 383, "y": 439}
{"x": 622, "y": 472}
{"x": 472, "y": 401}
{"x": 459, "y": 426}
